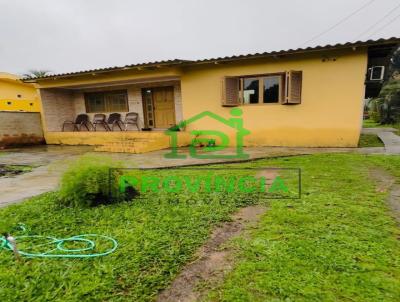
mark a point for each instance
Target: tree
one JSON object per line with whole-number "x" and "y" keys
{"x": 385, "y": 109}
{"x": 36, "y": 73}
{"x": 396, "y": 60}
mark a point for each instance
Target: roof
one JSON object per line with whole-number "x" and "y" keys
{"x": 8, "y": 76}
{"x": 177, "y": 62}
{"x": 12, "y": 78}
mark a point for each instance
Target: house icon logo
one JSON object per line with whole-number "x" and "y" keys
{"x": 202, "y": 137}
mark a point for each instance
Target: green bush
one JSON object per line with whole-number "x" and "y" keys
{"x": 87, "y": 182}
{"x": 385, "y": 109}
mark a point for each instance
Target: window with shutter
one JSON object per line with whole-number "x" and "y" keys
{"x": 293, "y": 87}
{"x": 230, "y": 91}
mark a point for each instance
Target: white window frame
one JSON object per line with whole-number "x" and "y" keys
{"x": 372, "y": 73}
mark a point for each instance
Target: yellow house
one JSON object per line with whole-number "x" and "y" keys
{"x": 310, "y": 97}
{"x": 16, "y": 95}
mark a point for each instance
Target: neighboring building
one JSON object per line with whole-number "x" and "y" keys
{"x": 16, "y": 95}
{"x": 310, "y": 97}
{"x": 19, "y": 113}
{"x": 378, "y": 69}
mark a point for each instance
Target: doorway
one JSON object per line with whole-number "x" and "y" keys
{"x": 159, "y": 107}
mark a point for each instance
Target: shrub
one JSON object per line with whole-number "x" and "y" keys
{"x": 87, "y": 182}
{"x": 385, "y": 109}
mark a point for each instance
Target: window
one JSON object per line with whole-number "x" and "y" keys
{"x": 284, "y": 88}
{"x": 108, "y": 101}
{"x": 272, "y": 89}
{"x": 377, "y": 73}
{"x": 262, "y": 90}
{"x": 147, "y": 97}
{"x": 251, "y": 90}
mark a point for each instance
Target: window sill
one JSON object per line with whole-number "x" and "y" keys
{"x": 263, "y": 104}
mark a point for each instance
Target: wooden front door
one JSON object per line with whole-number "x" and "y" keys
{"x": 164, "y": 107}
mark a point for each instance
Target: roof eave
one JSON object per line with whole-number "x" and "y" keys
{"x": 106, "y": 70}
{"x": 177, "y": 62}
{"x": 297, "y": 51}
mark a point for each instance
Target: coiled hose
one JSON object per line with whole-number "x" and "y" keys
{"x": 59, "y": 250}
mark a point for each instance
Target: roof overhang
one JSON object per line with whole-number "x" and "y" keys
{"x": 178, "y": 63}
{"x": 121, "y": 83}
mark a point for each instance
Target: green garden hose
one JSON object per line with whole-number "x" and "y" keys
{"x": 58, "y": 245}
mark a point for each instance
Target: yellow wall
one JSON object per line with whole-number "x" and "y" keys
{"x": 118, "y": 141}
{"x": 329, "y": 115}
{"x": 16, "y": 95}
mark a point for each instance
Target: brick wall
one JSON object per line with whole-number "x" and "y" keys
{"x": 20, "y": 128}
{"x": 57, "y": 107}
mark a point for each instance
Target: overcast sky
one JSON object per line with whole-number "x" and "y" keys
{"x": 71, "y": 35}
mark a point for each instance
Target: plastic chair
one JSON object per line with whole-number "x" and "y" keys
{"x": 100, "y": 119}
{"x": 81, "y": 120}
{"x": 131, "y": 118}
{"x": 114, "y": 119}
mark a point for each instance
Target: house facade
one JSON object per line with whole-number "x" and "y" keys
{"x": 309, "y": 97}
{"x": 16, "y": 95}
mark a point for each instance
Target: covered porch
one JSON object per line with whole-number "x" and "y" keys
{"x": 157, "y": 103}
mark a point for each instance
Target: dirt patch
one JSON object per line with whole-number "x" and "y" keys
{"x": 387, "y": 183}
{"x": 13, "y": 170}
{"x": 212, "y": 260}
{"x": 11, "y": 141}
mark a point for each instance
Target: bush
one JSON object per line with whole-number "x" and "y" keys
{"x": 87, "y": 183}
{"x": 385, "y": 109}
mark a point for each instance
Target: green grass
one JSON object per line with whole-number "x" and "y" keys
{"x": 372, "y": 124}
{"x": 338, "y": 243}
{"x": 21, "y": 168}
{"x": 369, "y": 140}
{"x": 13, "y": 170}
{"x": 156, "y": 237}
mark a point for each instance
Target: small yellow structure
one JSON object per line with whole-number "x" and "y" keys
{"x": 16, "y": 95}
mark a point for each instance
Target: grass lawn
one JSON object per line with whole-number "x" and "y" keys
{"x": 371, "y": 124}
{"x": 369, "y": 140}
{"x": 337, "y": 243}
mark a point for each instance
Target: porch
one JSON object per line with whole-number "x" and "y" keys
{"x": 157, "y": 103}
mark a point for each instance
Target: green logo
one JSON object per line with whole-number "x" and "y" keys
{"x": 235, "y": 122}
{"x": 197, "y": 184}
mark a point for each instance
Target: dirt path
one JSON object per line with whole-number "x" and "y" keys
{"x": 386, "y": 182}
{"x": 213, "y": 260}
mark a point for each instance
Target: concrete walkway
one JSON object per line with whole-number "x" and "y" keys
{"x": 50, "y": 162}
{"x": 389, "y": 139}
{"x": 48, "y": 165}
